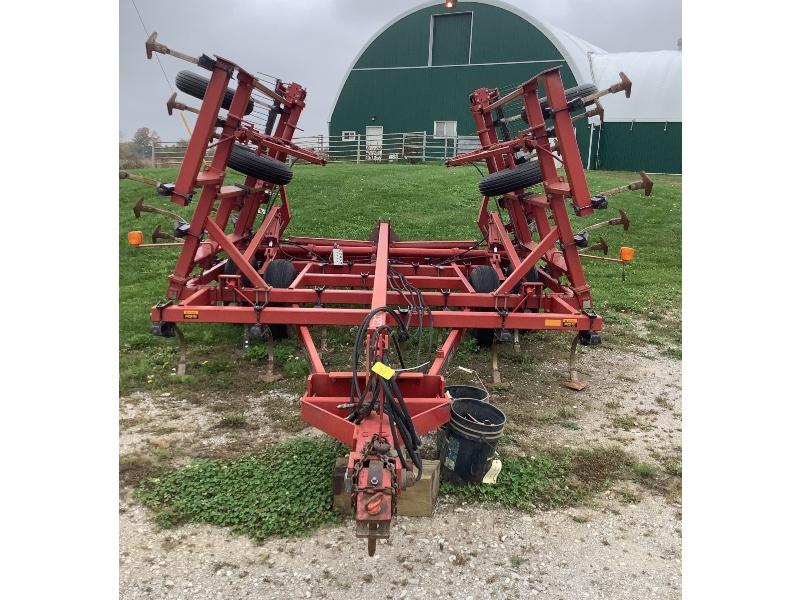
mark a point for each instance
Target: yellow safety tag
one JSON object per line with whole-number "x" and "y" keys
{"x": 383, "y": 370}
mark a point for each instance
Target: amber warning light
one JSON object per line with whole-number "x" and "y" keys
{"x": 135, "y": 238}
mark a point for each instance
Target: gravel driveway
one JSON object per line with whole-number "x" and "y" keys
{"x": 625, "y": 544}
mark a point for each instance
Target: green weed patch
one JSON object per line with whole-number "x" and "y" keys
{"x": 285, "y": 490}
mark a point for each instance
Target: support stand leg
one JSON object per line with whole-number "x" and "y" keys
{"x": 182, "y": 349}
{"x": 323, "y": 346}
{"x": 517, "y": 347}
{"x": 270, "y": 376}
{"x": 495, "y": 367}
{"x": 574, "y": 382}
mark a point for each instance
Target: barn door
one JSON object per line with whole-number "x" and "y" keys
{"x": 374, "y": 142}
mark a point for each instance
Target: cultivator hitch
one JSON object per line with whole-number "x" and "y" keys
{"x": 237, "y": 266}
{"x": 373, "y": 484}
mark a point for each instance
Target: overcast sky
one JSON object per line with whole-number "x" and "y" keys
{"x": 313, "y": 42}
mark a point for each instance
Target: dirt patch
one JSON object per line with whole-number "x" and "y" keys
{"x": 158, "y": 431}
{"x": 633, "y": 399}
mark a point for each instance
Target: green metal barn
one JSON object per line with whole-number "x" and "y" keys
{"x": 415, "y": 75}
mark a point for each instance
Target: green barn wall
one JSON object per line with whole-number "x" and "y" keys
{"x": 651, "y": 147}
{"x": 411, "y": 99}
{"x": 379, "y": 92}
{"x": 451, "y": 35}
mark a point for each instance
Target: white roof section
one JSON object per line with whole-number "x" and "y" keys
{"x": 656, "y": 89}
{"x": 574, "y": 49}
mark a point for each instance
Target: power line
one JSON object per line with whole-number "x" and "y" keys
{"x": 166, "y": 77}
{"x": 147, "y": 33}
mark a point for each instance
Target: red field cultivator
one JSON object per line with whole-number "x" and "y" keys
{"x": 524, "y": 273}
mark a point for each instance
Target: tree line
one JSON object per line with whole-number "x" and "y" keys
{"x": 138, "y": 152}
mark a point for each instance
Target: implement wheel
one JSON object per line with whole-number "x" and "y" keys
{"x": 280, "y": 273}
{"x": 196, "y": 85}
{"x": 509, "y": 180}
{"x": 265, "y": 168}
{"x": 483, "y": 279}
{"x": 232, "y": 269}
{"x": 579, "y": 91}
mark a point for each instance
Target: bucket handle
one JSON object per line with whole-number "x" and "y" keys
{"x": 474, "y": 372}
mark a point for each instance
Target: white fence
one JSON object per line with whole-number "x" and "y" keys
{"x": 415, "y": 146}
{"x": 170, "y": 154}
{"x": 412, "y": 147}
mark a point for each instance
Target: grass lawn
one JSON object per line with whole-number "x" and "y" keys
{"x": 423, "y": 202}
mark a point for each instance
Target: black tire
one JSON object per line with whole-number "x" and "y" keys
{"x": 484, "y": 279}
{"x": 531, "y": 277}
{"x": 265, "y": 168}
{"x": 579, "y": 91}
{"x": 280, "y": 273}
{"x": 196, "y": 85}
{"x": 232, "y": 269}
{"x": 509, "y": 180}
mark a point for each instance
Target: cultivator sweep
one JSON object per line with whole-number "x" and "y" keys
{"x": 524, "y": 273}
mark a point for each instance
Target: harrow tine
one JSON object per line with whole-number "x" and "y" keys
{"x": 161, "y": 235}
{"x": 141, "y": 207}
{"x": 601, "y": 245}
{"x": 574, "y": 382}
{"x": 183, "y": 348}
{"x": 173, "y": 104}
{"x": 161, "y": 245}
{"x": 139, "y": 178}
{"x": 621, "y": 220}
{"x": 151, "y": 46}
{"x": 597, "y": 111}
{"x": 495, "y": 365}
{"x": 644, "y": 183}
{"x": 623, "y": 85}
{"x": 163, "y": 189}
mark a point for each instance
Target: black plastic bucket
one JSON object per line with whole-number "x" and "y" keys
{"x": 469, "y": 440}
{"x": 461, "y": 392}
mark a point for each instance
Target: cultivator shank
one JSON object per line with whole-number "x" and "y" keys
{"x": 524, "y": 274}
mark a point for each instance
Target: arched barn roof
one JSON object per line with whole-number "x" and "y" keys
{"x": 396, "y": 60}
{"x": 574, "y": 50}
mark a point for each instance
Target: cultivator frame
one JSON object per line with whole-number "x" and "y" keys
{"x": 340, "y": 282}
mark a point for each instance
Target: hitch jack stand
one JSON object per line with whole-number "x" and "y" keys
{"x": 574, "y": 382}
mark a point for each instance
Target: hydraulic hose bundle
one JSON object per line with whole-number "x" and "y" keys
{"x": 416, "y": 303}
{"x": 363, "y": 401}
